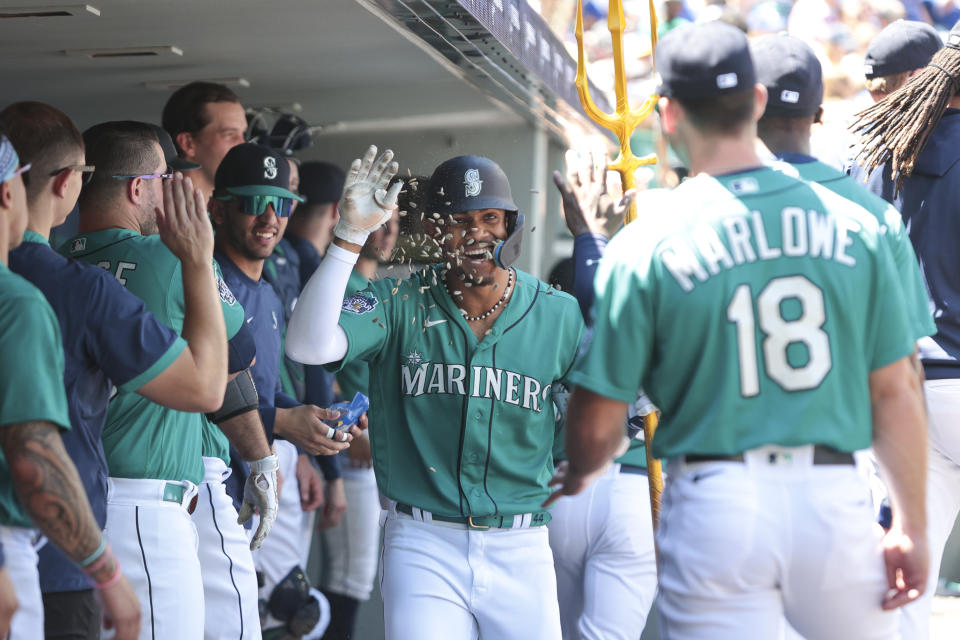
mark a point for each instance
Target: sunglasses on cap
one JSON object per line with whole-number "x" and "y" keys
{"x": 257, "y": 205}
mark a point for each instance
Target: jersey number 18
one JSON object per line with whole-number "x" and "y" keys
{"x": 779, "y": 334}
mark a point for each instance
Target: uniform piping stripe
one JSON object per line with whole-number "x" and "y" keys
{"x": 486, "y": 465}
{"x": 143, "y": 554}
{"x": 213, "y": 514}
{"x": 463, "y": 410}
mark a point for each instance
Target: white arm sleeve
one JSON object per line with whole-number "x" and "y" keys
{"x": 314, "y": 335}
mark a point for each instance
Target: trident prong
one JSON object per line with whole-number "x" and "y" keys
{"x": 622, "y": 125}
{"x": 625, "y": 120}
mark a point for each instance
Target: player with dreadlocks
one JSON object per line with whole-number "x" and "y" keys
{"x": 910, "y": 158}
{"x": 897, "y": 128}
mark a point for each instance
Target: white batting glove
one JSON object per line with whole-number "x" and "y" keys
{"x": 367, "y": 203}
{"x": 260, "y": 493}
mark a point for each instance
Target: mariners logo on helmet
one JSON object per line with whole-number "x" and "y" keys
{"x": 360, "y": 303}
{"x": 269, "y": 167}
{"x": 472, "y": 179}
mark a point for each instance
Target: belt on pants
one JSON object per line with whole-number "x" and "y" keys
{"x": 520, "y": 521}
{"x": 181, "y": 493}
{"x": 822, "y": 455}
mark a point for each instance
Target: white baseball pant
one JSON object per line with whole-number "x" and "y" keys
{"x": 354, "y": 544}
{"x": 440, "y": 581}
{"x": 226, "y": 562}
{"x": 602, "y": 541}
{"x": 943, "y": 494}
{"x": 744, "y": 546}
{"x": 156, "y": 543}
{"x": 21, "y": 563}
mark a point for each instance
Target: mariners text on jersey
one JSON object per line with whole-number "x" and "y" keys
{"x": 419, "y": 378}
{"x": 803, "y": 232}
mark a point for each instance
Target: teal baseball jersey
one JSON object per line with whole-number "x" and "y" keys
{"x": 31, "y": 378}
{"x": 462, "y": 427}
{"x": 751, "y": 311}
{"x": 354, "y": 376}
{"x": 915, "y": 300}
{"x": 142, "y": 439}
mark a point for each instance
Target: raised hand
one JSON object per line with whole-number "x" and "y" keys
{"x": 183, "y": 222}
{"x": 591, "y": 196}
{"x": 367, "y": 202}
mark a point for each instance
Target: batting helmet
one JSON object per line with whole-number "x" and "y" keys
{"x": 468, "y": 183}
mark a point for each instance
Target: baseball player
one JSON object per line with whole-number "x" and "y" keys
{"x": 206, "y": 120}
{"x": 98, "y": 353}
{"x": 39, "y": 486}
{"x": 896, "y": 54}
{"x": 910, "y": 142}
{"x": 249, "y": 209}
{"x": 602, "y": 539}
{"x": 463, "y": 356}
{"x": 764, "y": 317}
{"x": 157, "y": 457}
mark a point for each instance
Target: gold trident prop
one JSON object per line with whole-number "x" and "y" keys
{"x": 622, "y": 125}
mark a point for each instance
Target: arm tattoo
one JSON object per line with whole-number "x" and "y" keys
{"x": 47, "y": 485}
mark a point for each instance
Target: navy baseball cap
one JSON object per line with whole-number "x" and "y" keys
{"x": 791, "y": 72}
{"x": 707, "y": 60}
{"x": 953, "y": 38}
{"x": 902, "y": 46}
{"x": 321, "y": 182}
{"x": 174, "y": 161}
{"x": 250, "y": 169}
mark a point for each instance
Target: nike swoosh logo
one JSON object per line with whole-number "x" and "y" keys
{"x": 250, "y": 319}
{"x": 591, "y": 261}
{"x": 430, "y": 323}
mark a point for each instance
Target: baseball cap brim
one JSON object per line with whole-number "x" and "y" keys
{"x": 179, "y": 164}
{"x": 263, "y": 190}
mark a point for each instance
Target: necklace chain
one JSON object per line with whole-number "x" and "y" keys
{"x": 486, "y": 314}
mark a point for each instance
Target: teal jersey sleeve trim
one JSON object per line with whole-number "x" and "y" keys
{"x": 157, "y": 367}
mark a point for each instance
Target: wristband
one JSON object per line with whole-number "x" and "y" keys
{"x": 346, "y": 231}
{"x": 264, "y": 465}
{"x": 96, "y": 554}
{"x": 112, "y": 580}
{"x": 96, "y": 566}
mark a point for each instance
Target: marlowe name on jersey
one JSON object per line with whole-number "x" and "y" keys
{"x": 485, "y": 382}
{"x": 702, "y": 253}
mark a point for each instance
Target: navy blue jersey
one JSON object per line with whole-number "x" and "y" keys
{"x": 264, "y": 317}
{"x": 110, "y": 340}
{"x": 309, "y": 257}
{"x": 930, "y": 205}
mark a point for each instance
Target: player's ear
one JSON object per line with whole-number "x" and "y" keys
{"x": 818, "y": 117}
{"x": 670, "y": 113}
{"x": 186, "y": 143}
{"x": 134, "y": 190}
{"x": 759, "y": 101}
{"x": 6, "y": 195}
{"x": 60, "y": 183}
{"x": 217, "y": 214}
